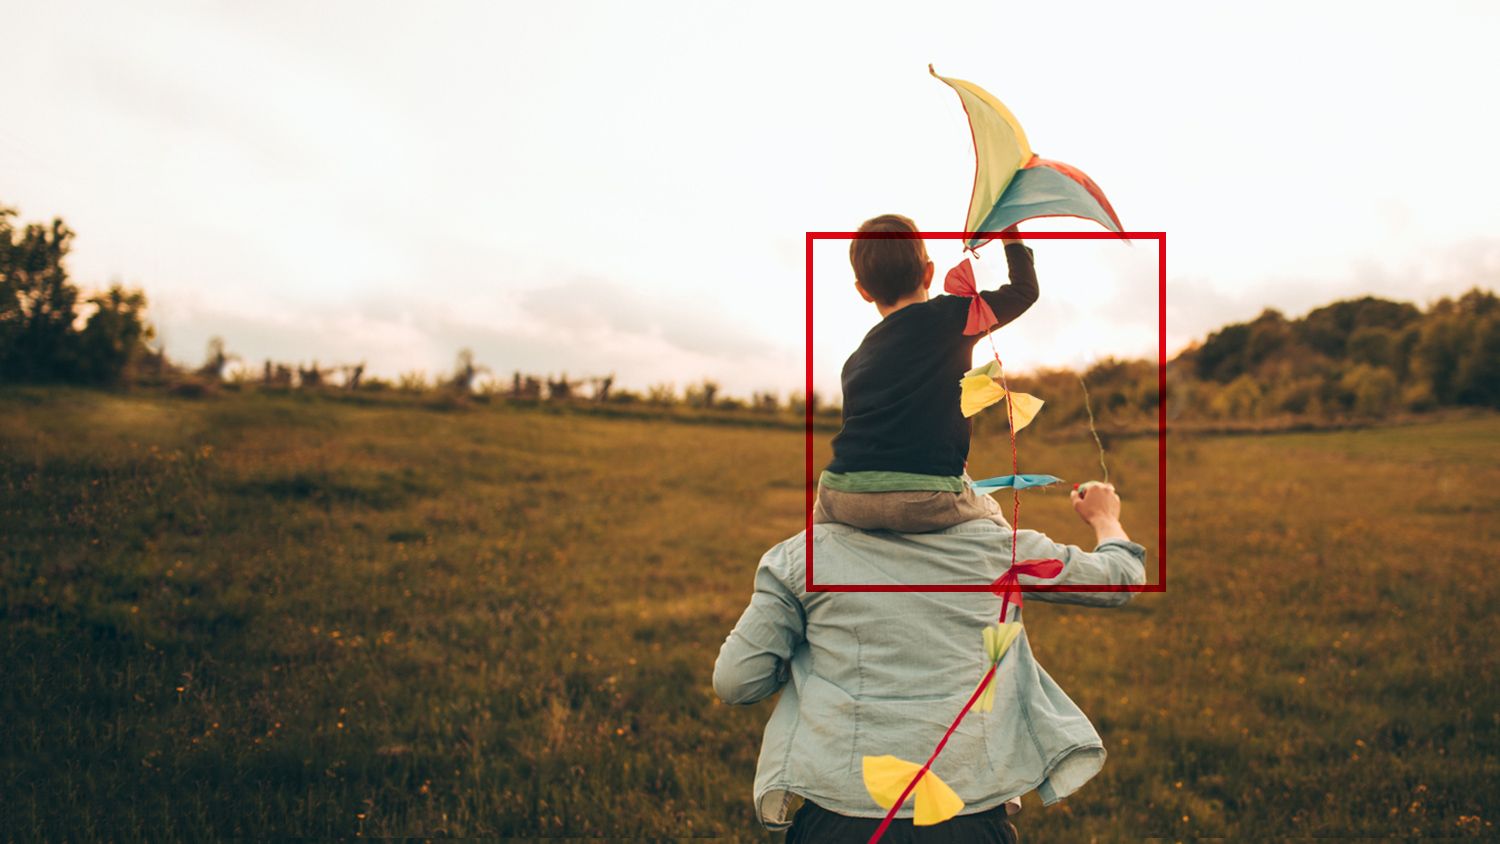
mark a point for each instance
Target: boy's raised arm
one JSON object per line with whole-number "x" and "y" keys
{"x": 1012, "y": 300}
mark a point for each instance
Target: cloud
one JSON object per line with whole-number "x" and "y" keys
{"x": 582, "y": 327}
{"x": 585, "y": 306}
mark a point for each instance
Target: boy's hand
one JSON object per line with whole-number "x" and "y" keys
{"x": 1014, "y": 235}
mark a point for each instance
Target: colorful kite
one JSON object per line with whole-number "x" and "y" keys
{"x": 1011, "y": 183}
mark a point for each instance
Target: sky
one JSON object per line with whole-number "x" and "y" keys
{"x": 600, "y": 187}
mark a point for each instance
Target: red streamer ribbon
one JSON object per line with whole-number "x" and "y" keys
{"x": 1007, "y": 585}
{"x": 960, "y": 282}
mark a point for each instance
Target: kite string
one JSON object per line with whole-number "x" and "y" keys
{"x": 1089, "y": 406}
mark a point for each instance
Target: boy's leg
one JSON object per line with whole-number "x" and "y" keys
{"x": 916, "y": 511}
{"x": 972, "y": 505}
{"x": 984, "y": 507}
{"x": 820, "y": 514}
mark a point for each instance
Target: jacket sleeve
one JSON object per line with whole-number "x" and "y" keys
{"x": 754, "y": 660}
{"x": 1114, "y": 562}
{"x": 1013, "y": 299}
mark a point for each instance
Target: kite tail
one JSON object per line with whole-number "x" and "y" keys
{"x": 1015, "y": 468}
{"x": 1004, "y": 606}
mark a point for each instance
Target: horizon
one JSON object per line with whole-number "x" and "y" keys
{"x": 524, "y": 183}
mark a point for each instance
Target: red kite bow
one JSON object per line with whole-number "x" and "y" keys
{"x": 1006, "y": 585}
{"x": 960, "y": 282}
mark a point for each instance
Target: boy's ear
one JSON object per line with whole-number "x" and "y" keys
{"x": 927, "y": 277}
{"x": 865, "y": 294}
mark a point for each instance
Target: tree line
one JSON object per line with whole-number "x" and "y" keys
{"x": 50, "y": 331}
{"x": 1358, "y": 358}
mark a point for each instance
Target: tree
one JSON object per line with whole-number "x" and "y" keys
{"x": 703, "y": 394}
{"x": 1477, "y": 380}
{"x": 114, "y": 337}
{"x": 1370, "y": 390}
{"x": 1374, "y": 345}
{"x": 601, "y": 386}
{"x": 216, "y": 359}
{"x": 37, "y": 303}
{"x": 311, "y": 377}
{"x": 562, "y": 388}
{"x": 465, "y": 371}
{"x": 40, "y": 338}
{"x": 353, "y": 375}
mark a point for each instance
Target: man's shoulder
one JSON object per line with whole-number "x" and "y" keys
{"x": 787, "y": 553}
{"x": 837, "y": 535}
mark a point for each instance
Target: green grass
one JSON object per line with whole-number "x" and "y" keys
{"x": 273, "y": 616}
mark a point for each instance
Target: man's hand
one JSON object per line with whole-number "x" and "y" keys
{"x": 1014, "y": 235}
{"x": 1099, "y": 507}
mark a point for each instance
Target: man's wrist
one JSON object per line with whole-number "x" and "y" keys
{"x": 1107, "y": 526}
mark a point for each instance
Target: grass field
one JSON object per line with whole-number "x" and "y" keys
{"x": 288, "y": 616}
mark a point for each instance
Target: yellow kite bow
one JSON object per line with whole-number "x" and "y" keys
{"x": 980, "y": 389}
{"x": 886, "y": 777}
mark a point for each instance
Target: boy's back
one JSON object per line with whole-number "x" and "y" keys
{"x": 901, "y": 386}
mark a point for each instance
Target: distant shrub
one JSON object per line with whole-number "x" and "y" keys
{"x": 414, "y": 381}
{"x": 625, "y": 397}
{"x": 662, "y": 394}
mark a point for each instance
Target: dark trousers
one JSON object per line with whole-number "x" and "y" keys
{"x": 814, "y": 824}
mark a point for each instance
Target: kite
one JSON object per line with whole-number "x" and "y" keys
{"x": 1011, "y": 183}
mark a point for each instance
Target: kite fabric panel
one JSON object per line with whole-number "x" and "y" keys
{"x": 1041, "y": 191}
{"x": 1012, "y": 184}
{"x": 999, "y": 142}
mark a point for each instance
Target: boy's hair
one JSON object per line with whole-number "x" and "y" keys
{"x": 889, "y": 268}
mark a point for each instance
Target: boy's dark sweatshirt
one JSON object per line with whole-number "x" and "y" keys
{"x": 901, "y": 386}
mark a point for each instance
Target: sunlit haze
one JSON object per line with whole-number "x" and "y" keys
{"x": 626, "y": 187}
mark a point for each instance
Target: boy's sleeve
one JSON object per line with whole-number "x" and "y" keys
{"x": 1012, "y": 300}
{"x": 755, "y": 659}
{"x": 1114, "y": 562}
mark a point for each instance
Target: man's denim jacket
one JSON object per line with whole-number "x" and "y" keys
{"x": 875, "y": 673}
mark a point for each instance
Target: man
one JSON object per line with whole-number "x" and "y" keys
{"x": 877, "y": 673}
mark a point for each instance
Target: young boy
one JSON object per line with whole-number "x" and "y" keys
{"x": 898, "y": 462}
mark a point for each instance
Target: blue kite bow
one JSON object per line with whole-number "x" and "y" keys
{"x": 989, "y": 485}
